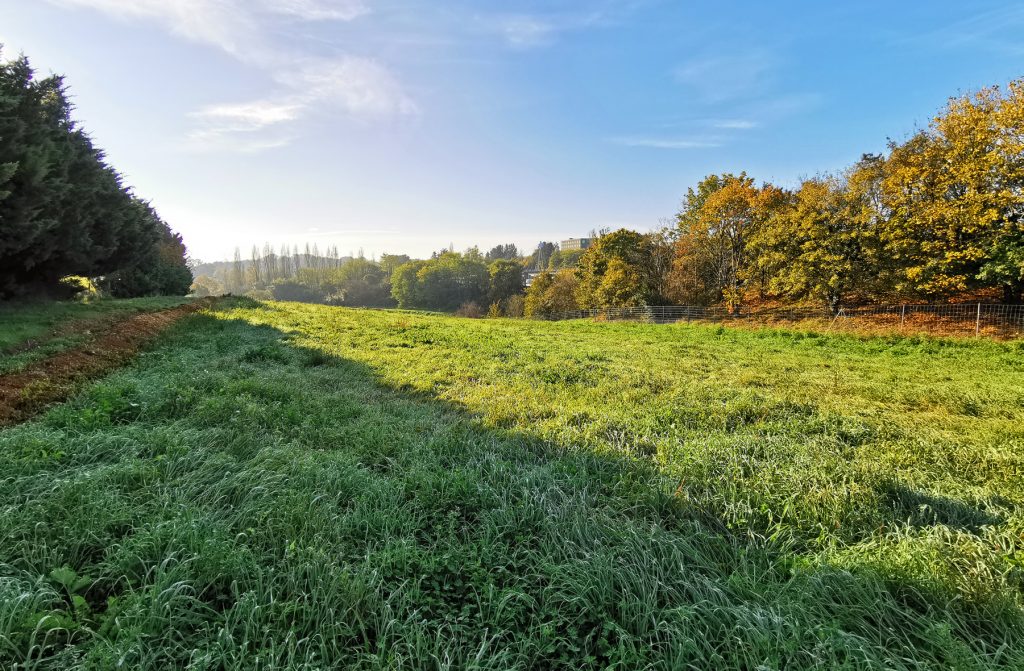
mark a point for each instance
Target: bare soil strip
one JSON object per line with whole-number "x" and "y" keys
{"x": 82, "y": 325}
{"x": 27, "y": 392}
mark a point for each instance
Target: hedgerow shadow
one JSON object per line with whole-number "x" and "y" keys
{"x": 921, "y": 509}
{"x": 242, "y": 495}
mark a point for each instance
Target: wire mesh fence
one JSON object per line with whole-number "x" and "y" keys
{"x": 970, "y": 319}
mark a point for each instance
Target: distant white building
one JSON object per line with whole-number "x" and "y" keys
{"x": 575, "y": 243}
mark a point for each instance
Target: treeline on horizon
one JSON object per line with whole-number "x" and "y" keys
{"x": 64, "y": 211}
{"x": 938, "y": 217}
{"x": 447, "y": 281}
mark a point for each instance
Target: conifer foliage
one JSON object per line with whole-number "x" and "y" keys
{"x": 63, "y": 209}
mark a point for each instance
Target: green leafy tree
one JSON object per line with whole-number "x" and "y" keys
{"x": 541, "y": 256}
{"x": 405, "y": 284}
{"x": 506, "y": 279}
{"x": 628, "y": 256}
{"x": 204, "y": 285}
{"x": 569, "y": 258}
{"x": 292, "y": 290}
{"x": 359, "y": 282}
{"x": 509, "y": 252}
{"x": 536, "y": 293}
{"x": 390, "y": 262}
{"x": 1005, "y": 268}
{"x": 453, "y": 279}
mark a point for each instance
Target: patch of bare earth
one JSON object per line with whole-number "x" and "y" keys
{"x": 27, "y": 392}
{"x": 81, "y": 326}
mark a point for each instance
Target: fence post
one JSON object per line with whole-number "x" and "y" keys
{"x": 903, "y": 314}
{"x": 977, "y": 323}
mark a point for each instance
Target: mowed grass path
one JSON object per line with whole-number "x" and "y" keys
{"x": 305, "y": 487}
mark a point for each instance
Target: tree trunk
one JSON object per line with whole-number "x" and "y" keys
{"x": 1013, "y": 293}
{"x": 833, "y": 300}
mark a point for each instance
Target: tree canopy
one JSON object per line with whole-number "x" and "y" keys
{"x": 940, "y": 216}
{"x": 63, "y": 209}
{"x": 621, "y": 269}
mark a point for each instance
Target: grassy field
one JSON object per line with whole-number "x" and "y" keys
{"x": 305, "y": 487}
{"x": 33, "y": 330}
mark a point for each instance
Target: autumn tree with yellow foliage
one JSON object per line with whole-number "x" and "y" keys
{"x": 823, "y": 244}
{"x": 955, "y": 193}
{"x": 716, "y": 224}
{"x": 940, "y": 216}
{"x": 551, "y": 293}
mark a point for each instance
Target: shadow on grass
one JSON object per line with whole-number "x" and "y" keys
{"x": 920, "y": 509}
{"x": 275, "y": 505}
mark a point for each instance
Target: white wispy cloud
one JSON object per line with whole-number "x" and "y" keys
{"x": 531, "y": 30}
{"x": 738, "y": 91}
{"x": 251, "y": 115}
{"x": 224, "y": 25}
{"x": 669, "y": 142}
{"x": 718, "y": 79}
{"x": 523, "y": 32}
{"x": 312, "y": 10}
{"x": 734, "y": 124}
{"x": 303, "y": 83}
{"x": 221, "y": 140}
{"x": 999, "y": 30}
{"x": 358, "y": 85}
{"x": 227, "y": 24}
{"x": 240, "y": 127}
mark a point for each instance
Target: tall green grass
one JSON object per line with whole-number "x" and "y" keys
{"x": 287, "y": 486}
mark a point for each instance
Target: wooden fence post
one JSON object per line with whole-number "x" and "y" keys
{"x": 977, "y": 323}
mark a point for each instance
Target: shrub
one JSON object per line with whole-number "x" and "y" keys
{"x": 290, "y": 290}
{"x": 515, "y": 306}
{"x": 469, "y": 309}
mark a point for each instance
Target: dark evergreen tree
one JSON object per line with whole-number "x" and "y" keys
{"x": 162, "y": 271}
{"x": 63, "y": 209}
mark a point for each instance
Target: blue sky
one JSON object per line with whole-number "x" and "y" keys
{"x": 397, "y": 126}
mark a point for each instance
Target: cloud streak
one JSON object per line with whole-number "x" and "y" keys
{"x": 668, "y": 142}
{"x": 529, "y": 31}
{"x": 734, "y": 124}
{"x": 304, "y": 83}
{"x": 250, "y": 116}
{"x": 718, "y": 79}
{"x": 525, "y": 32}
{"x": 996, "y": 30}
{"x": 230, "y": 25}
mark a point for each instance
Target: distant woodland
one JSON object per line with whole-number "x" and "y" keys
{"x": 937, "y": 217}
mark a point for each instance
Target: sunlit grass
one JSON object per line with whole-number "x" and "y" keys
{"x": 292, "y": 486}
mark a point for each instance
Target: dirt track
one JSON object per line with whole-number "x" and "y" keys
{"x": 26, "y": 392}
